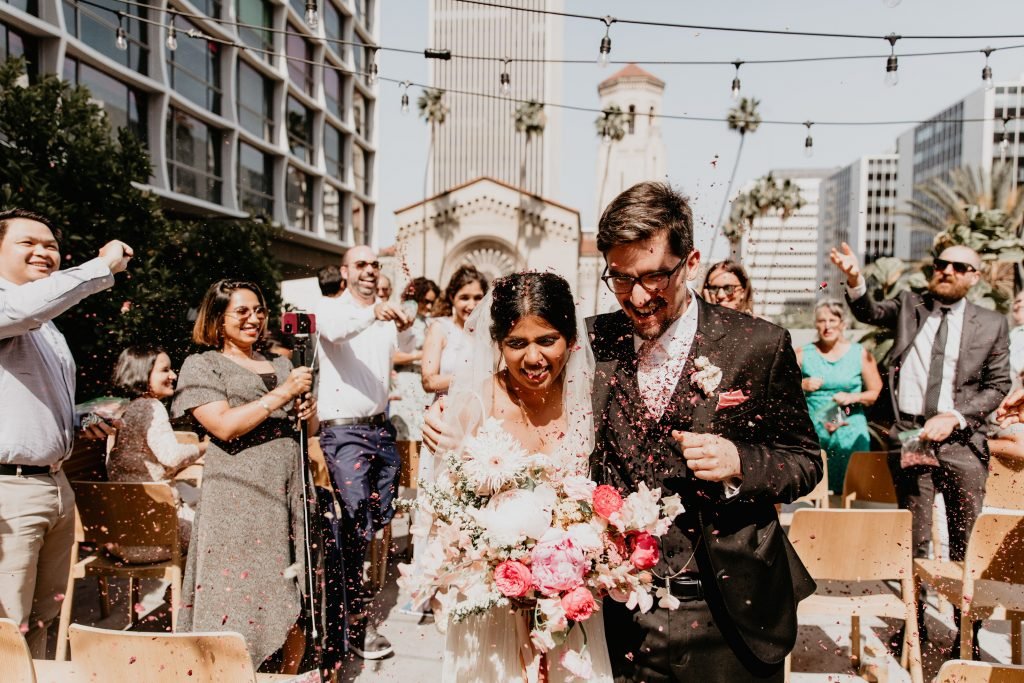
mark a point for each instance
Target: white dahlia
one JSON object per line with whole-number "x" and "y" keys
{"x": 493, "y": 459}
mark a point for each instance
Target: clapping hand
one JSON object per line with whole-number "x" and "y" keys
{"x": 846, "y": 261}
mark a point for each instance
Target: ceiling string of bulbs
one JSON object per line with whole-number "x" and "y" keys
{"x": 372, "y": 73}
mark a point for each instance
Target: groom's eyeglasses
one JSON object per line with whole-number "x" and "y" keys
{"x": 959, "y": 268}
{"x": 652, "y": 282}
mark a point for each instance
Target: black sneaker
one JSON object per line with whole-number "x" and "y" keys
{"x": 366, "y": 643}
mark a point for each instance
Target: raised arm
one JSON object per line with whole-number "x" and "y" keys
{"x": 883, "y": 313}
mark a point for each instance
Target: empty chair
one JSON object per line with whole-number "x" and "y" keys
{"x": 130, "y": 657}
{"x": 861, "y": 546}
{"x": 989, "y": 583}
{"x": 1004, "y": 487}
{"x": 17, "y": 664}
{"x": 960, "y": 671}
{"x": 127, "y": 515}
{"x": 868, "y": 479}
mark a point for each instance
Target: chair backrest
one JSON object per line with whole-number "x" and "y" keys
{"x": 819, "y": 496}
{"x": 995, "y": 551}
{"x": 15, "y": 657}
{"x": 868, "y": 477}
{"x": 132, "y": 656}
{"x": 127, "y": 514}
{"x": 1005, "y": 483}
{"x": 962, "y": 671}
{"x": 853, "y": 545}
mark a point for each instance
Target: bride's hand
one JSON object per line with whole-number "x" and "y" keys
{"x": 436, "y": 435}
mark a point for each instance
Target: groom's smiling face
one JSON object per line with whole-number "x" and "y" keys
{"x": 652, "y": 310}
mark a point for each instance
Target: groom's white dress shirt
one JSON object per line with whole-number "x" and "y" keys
{"x": 661, "y": 360}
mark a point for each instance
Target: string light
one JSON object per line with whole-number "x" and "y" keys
{"x": 372, "y": 70}
{"x": 1004, "y": 143}
{"x": 736, "y": 80}
{"x": 405, "y": 96}
{"x": 606, "y": 42}
{"x": 312, "y": 14}
{"x": 505, "y": 79}
{"x": 892, "y": 76}
{"x": 986, "y": 72}
{"x": 808, "y": 141}
{"x": 121, "y": 39}
{"x": 172, "y": 34}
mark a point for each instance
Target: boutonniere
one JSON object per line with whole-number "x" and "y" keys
{"x": 706, "y": 376}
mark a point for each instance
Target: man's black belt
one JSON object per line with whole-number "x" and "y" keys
{"x": 687, "y": 587}
{"x": 918, "y": 420}
{"x": 378, "y": 420}
{"x": 24, "y": 470}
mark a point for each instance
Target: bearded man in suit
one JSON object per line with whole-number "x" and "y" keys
{"x": 705, "y": 402}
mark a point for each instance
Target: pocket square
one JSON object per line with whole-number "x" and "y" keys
{"x": 730, "y": 399}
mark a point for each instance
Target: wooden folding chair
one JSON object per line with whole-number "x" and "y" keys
{"x": 1004, "y": 487}
{"x": 861, "y": 546}
{"x": 868, "y": 479}
{"x": 16, "y": 663}
{"x": 124, "y": 514}
{"x": 989, "y": 583}
{"x": 132, "y": 656}
{"x": 960, "y": 671}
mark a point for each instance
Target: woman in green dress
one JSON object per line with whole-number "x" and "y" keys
{"x": 840, "y": 379}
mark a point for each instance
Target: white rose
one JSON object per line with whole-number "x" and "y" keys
{"x": 512, "y": 515}
{"x": 586, "y": 538}
{"x": 579, "y": 488}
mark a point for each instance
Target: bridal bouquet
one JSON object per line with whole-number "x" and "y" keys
{"x": 513, "y": 530}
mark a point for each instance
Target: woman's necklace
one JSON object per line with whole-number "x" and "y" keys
{"x": 517, "y": 399}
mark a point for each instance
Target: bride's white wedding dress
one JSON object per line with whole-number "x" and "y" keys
{"x": 486, "y": 648}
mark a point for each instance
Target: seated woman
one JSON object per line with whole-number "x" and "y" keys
{"x": 728, "y": 285}
{"x": 840, "y": 379}
{"x": 146, "y": 448}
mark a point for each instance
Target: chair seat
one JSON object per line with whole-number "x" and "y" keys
{"x": 105, "y": 564}
{"x": 846, "y": 606}
{"x": 50, "y": 671}
{"x": 946, "y": 577}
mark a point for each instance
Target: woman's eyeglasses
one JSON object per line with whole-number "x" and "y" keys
{"x": 727, "y": 290}
{"x": 244, "y": 313}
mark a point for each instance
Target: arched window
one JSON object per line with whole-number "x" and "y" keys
{"x": 632, "y": 119}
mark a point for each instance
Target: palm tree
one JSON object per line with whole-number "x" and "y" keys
{"x": 433, "y": 111}
{"x": 530, "y": 121}
{"x": 743, "y": 118}
{"x": 611, "y": 128}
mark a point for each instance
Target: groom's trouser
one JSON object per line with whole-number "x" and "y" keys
{"x": 681, "y": 645}
{"x": 364, "y": 468}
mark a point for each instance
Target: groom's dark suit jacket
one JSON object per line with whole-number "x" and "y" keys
{"x": 750, "y": 572}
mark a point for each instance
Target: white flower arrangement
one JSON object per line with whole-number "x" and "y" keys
{"x": 707, "y": 376}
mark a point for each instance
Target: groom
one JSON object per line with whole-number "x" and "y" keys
{"x": 705, "y": 402}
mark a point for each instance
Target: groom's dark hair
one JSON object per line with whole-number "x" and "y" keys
{"x": 643, "y": 211}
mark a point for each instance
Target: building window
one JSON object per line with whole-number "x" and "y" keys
{"x": 210, "y": 8}
{"x": 96, "y": 28}
{"x": 300, "y": 130}
{"x": 359, "y": 169}
{"x": 255, "y": 101}
{"x": 359, "y": 113}
{"x": 15, "y": 44}
{"x": 194, "y": 68}
{"x": 334, "y": 152}
{"x": 631, "y": 120}
{"x": 258, "y": 13}
{"x": 332, "y": 211}
{"x": 300, "y": 61}
{"x": 26, "y": 6}
{"x": 333, "y": 91}
{"x": 193, "y": 157}
{"x": 358, "y": 222}
{"x": 299, "y": 196}
{"x": 334, "y": 28}
{"x": 125, "y": 106}
{"x": 255, "y": 180}
{"x": 364, "y": 14}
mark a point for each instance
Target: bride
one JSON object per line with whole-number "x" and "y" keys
{"x": 529, "y": 372}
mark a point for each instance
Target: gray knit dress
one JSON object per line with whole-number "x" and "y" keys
{"x": 244, "y": 571}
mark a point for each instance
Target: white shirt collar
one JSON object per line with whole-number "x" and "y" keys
{"x": 954, "y": 309}
{"x": 681, "y": 331}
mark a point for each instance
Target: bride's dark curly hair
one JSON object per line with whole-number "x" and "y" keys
{"x": 545, "y": 295}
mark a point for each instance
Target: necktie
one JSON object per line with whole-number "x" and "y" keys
{"x": 931, "y": 397}
{"x": 653, "y": 382}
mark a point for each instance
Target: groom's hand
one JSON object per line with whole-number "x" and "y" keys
{"x": 711, "y": 457}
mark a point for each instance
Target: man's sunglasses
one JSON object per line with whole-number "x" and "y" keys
{"x": 940, "y": 265}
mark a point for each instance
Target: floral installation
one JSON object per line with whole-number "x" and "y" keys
{"x": 706, "y": 376}
{"x": 509, "y": 529}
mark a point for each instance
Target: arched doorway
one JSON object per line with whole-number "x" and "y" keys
{"x": 494, "y": 258}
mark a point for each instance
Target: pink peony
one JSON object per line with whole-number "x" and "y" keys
{"x": 578, "y": 604}
{"x": 607, "y": 501}
{"x": 645, "y": 551}
{"x": 558, "y": 565}
{"x": 513, "y": 579}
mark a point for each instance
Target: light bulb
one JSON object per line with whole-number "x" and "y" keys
{"x": 606, "y": 48}
{"x": 809, "y": 147}
{"x": 371, "y": 74}
{"x": 1004, "y": 146}
{"x": 606, "y": 137}
{"x": 505, "y": 84}
{"x": 405, "y": 103}
{"x": 735, "y": 88}
{"x": 892, "y": 76}
{"x": 312, "y": 15}
{"x": 172, "y": 38}
{"x": 986, "y": 77}
{"x": 122, "y": 39}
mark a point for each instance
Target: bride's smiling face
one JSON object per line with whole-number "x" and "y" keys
{"x": 535, "y": 353}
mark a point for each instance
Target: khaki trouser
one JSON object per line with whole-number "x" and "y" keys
{"x": 37, "y": 530}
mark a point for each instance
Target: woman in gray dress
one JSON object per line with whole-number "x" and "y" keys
{"x": 245, "y": 568}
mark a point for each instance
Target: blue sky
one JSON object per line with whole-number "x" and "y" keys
{"x": 839, "y": 91}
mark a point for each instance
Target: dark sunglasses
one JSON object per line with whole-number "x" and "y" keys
{"x": 941, "y": 264}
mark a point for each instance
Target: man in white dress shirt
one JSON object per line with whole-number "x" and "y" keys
{"x": 357, "y": 337}
{"x": 948, "y": 369}
{"x": 37, "y": 399}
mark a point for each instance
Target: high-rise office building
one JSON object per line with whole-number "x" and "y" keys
{"x": 242, "y": 119}
{"x": 479, "y": 138}
{"x": 968, "y": 134}
{"x": 857, "y": 205}
{"x": 781, "y": 255}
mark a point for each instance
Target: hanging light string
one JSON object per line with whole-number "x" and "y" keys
{"x": 734, "y": 29}
{"x": 540, "y": 60}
